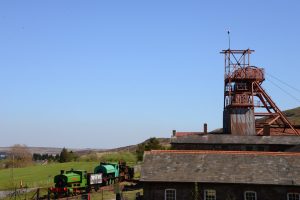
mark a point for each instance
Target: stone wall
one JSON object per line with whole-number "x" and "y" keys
{"x": 192, "y": 191}
{"x": 231, "y": 147}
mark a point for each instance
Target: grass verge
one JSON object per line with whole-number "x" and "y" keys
{"x": 38, "y": 175}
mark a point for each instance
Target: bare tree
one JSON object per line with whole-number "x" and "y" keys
{"x": 19, "y": 156}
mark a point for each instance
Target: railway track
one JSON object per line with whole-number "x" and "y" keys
{"x": 86, "y": 196}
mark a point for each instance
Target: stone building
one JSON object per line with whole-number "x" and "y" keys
{"x": 235, "y": 143}
{"x": 222, "y": 175}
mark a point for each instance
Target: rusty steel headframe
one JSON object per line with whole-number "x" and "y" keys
{"x": 244, "y": 97}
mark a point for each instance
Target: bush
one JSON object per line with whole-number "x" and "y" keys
{"x": 128, "y": 157}
{"x": 151, "y": 144}
{"x": 19, "y": 156}
{"x": 89, "y": 157}
{"x": 67, "y": 156}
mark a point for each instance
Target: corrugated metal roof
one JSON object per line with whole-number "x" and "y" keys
{"x": 278, "y": 168}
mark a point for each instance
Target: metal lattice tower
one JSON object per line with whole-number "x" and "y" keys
{"x": 244, "y": 98}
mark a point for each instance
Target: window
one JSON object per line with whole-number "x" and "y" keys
{"x": 250, "y": 195}
{"x": 293, "y": 196}
{"x": 249, "y": 148}
{"x": 210, "y": 195}
{"x": 261, "y": 148}
{"x": 170, "y": 194}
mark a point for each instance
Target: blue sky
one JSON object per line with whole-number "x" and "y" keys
{"x": 104, "y": 74}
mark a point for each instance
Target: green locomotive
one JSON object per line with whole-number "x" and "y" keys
{"x": 114, "y": 172}
{"x": 79, "y": 181}
{"x": 74, "y": 182}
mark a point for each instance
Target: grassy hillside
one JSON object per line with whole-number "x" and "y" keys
{"x": 165, "y": 142}
{"x": 107, "y": 156}
{"x": 293, "y": 115}
{"x": 39, "y": 175}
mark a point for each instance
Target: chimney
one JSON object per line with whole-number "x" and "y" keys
{"x": 174, "y": 133}
{"x": 205, "y": 128}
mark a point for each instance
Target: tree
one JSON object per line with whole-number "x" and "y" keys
{"x": 36, "y": 156}
{"x": 56, "y": 157}
{"x": 151, "y": 144}
{"x": 49, "y": 157}
{"x": 19, "y": 156}
{"x": 64, "y": 155}
{"x": 67, "y": 156}
{"x": 45, "y": 156}
{"x": 140, "y": 152}
{"x": 73, "y": 156}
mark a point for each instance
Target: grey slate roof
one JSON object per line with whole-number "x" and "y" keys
{"x": 279, "y": 168}
{"x": 234, "y": 139}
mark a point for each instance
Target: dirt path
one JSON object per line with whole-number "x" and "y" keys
{"x": 17, "y": 192}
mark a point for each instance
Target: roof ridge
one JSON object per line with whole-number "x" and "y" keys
{"x": 268, "y": 153}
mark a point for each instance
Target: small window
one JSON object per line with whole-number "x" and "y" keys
{"x": 261, "y": 148}
{"x": 249, "y": 148}
{"x": 293, "y": 196}
{"x": 210, "y": 195}
{"x": 250, "y": 195}
{"x": 170, "y": 194}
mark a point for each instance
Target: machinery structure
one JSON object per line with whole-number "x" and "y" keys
{"x": 247, "y": 106}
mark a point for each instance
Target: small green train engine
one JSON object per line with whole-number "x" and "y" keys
{"x": 114, "y": 172}
{"x": 74, "y": 182}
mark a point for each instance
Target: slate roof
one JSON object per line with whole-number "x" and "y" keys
{"x": 275, "y": 168}
{"x": 235, "y": 139}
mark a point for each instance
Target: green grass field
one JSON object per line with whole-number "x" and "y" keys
{"x": 41, "y": 176}
{"x": 38, "y": 175}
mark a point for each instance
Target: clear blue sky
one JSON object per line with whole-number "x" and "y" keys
{"x": 104, "y": 74}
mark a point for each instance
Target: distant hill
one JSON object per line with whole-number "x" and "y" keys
{"x": 47, "y": 150}
{"x": 293, "y": 115}
{"x": 53, "y": 150}
{"x": 165, "y": 142}
{"x": 131, "y": 148}
{"x": 40, "y": 150}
